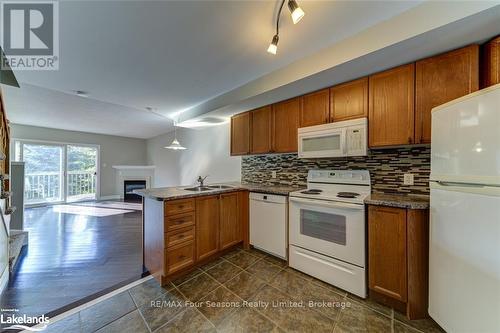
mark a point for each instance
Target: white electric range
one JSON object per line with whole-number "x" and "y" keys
{"x": 327, "y": 228}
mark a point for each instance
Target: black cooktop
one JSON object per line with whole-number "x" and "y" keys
{"x": 312, "y": 191}
{"x": 347, "y": 194}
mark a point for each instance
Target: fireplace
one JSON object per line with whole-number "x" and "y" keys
{"x": 129, "y": 186}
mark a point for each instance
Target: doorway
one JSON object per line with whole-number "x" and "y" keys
{"x": 57, "y": 172}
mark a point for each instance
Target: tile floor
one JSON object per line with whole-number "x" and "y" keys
{"x": 230, "y": 295}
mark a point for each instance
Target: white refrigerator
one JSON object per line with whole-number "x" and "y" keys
{"x": 464, "y": 248}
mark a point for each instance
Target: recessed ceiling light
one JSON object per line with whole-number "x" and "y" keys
{"x": 81, "y": 93}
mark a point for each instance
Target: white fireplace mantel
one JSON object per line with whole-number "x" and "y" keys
{"x": 133, "y": 167}
{"x": 133, "y": 172}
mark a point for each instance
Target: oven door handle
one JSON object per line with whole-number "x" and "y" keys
{"x": 329, "y": 204}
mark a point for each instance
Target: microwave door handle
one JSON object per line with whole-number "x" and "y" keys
{"x": 329, "y": 204}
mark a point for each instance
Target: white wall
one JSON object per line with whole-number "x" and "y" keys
{"x": 115, "y": 150}
{"x": 207, "y": 154}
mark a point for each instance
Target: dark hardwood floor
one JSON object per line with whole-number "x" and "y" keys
{"x": 74, "y": 251}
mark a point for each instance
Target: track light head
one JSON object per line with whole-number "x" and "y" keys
{"x": 296, "y": 11}
{"x": 273, "y": 47}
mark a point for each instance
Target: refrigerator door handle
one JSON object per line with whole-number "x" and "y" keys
{"x": 445, "y": 183}
{"x": 466, "y": 188}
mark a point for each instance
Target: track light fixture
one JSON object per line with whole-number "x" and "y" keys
{"x": 297, "y": 14}
{"x": 273, "y": 47}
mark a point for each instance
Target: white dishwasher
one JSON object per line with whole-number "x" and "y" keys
{"x": 269, "y": 223}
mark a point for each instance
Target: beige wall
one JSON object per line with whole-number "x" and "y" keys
{"x": 115, "y": 150}
{"x": 207, "y": 154}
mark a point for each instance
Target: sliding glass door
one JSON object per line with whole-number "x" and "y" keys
{"x": 44, "y": 173}
{"x": 58, "y": 173}
{"x": 82, "y": 172}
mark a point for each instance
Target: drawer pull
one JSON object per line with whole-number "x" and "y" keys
{"x": 180, "y": 236}
{"x": 181, "y": 257}
{"x": 180, "y": 206}
{"x": 179, "y": 222}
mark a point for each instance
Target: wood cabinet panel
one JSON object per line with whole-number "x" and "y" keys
{"x": 349, "y": 100}
{"x": 207, "y": 226}
{"x": 180, "y": 206}
{"x": 387, "y": 251}
{"x": 440, "y": 79}
{"x": 180, "y": 236}
{"x": 244, "y": 216}
{"x": 261, "y": 125}
{"x": 240, "y": 134}
{"x": 490, "y": 63}
{"x": 174, "y": 222}
{"x": 285, "y": 125}
{"x": 230, "y": 226}
{"x": 315, "y": 108}
{"x": 391, "y": 107}
{"x": 180, "y": 257}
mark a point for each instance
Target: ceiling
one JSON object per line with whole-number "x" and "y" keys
{"x": 175, "y": 56}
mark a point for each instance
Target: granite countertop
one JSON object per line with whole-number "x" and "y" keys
{"x": 172, "y": 193}
{"x": 398, "y": 200}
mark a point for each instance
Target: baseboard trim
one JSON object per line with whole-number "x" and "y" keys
{"x": 110, "y": 197}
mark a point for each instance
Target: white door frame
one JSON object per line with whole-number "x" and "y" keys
{"x": 65, "y": 165}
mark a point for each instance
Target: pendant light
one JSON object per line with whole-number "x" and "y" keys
{"x": 297, "y": 14}
{"x": 175, "y": 145}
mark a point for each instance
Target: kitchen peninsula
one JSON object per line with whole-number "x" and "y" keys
{"x": 188, "y": 227}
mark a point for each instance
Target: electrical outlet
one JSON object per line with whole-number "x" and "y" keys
{"x": 273, "y": 174}
{"x": 408, "y": 179}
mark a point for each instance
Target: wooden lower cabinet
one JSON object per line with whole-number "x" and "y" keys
{"x": 230, "y": 227}
{"x": 207, "y": 225}
{"x": 180, "y": 234}
{"x": 179, "y": 257}
{"x": 398, "y": 250}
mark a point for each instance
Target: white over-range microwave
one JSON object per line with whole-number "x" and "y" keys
{"x": 342, "y": 138}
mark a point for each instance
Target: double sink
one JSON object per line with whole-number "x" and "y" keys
{"x": 207, "y": 188}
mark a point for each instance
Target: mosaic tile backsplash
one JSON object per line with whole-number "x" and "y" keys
{"x": 386, "y": 167}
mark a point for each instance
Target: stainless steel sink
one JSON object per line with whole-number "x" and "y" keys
{"x": 198, "y": 188}
{"x": 219, "y": 187}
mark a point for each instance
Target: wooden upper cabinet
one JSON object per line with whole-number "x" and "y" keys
{"x": 387, "y": 251}
{"x": 240, "y": 134}
{"x": 230, "y": 226}
{"x": 391, "y": 107}
{"x": 315, "y": 108}
{"x": 490, "y": 64}
{"x": 207, "y": 226}
{"x": 285, "y": 125}
{"x": 441, "y": 79}
{"x": 261, "y": 125}
{"x": 349, "y": 100}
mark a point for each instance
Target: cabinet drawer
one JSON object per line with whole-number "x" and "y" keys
{"x": 179, "y": 221}
{"x": 179, "y": 257}
{"x": 179, "y": 236}
{"x": 179, "y": 206}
